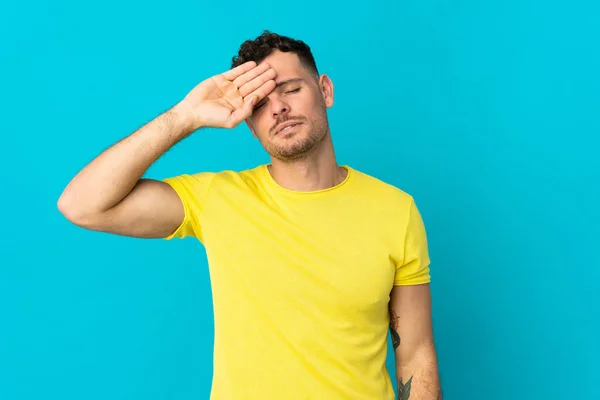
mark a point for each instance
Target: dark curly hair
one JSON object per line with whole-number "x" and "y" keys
{"x": 258, "y": 49}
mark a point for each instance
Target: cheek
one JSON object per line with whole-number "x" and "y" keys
{"x": 317, "y": 103}
{"x": 261, "y": 126}
{"x": 256, "y": 120}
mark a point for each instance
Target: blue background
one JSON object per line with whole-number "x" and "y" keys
{"x": 486, "y": 112}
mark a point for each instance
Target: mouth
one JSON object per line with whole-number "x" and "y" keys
{"x": 286, "y": 127}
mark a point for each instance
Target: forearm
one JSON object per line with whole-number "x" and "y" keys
{"x": 418, "y": 377}
{"x": 108, "y": 179}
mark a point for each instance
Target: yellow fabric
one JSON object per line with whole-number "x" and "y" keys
{"x": 301, "y": 281}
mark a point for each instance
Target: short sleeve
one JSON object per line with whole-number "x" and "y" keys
{"x": 192, "y": 191}
{"x": 414, "y": 269}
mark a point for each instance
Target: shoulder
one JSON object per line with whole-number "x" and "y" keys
{"x": 237, "y": 176}
{"x": 399, "y": 206}
{"x": 386, "y": 191}
{"x": 223, "y": 178}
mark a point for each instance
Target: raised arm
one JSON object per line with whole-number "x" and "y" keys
{"x": 110, "y": 195}
{"x": 412, "y": 339}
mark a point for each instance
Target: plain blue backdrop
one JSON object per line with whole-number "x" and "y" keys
{"x": 486, "y": 112}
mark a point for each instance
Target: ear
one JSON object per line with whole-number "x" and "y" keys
{"x": 249, "y": 124}
{"x": 326, "y": 86}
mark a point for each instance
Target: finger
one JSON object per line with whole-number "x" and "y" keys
{"x": 260, "y": 93}
{"x": 239, "y": 70}
{"x": 257, "y": 82}
{"x": 252, "y": 100}
{"x": 248, "y": 76}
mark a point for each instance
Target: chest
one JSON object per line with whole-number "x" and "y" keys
{"x": 336, "y": 257}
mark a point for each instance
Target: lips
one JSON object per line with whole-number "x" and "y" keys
{"x": 285, "y": 125}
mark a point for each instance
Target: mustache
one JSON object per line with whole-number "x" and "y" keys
{"x": 284, "y": 119}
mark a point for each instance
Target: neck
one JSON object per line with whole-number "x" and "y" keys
{"x": 317, "y": 171}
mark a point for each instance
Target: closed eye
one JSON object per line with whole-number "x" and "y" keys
{"x": 263, "y": 103}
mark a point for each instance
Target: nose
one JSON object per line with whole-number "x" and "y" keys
{"x": 278, "y": 106}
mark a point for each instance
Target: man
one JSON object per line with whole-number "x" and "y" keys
{"x": 310, "y": 262}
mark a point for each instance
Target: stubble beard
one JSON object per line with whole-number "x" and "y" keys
{"x": 299, "y": 145}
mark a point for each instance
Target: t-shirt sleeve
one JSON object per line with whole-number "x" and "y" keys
{"x": 414, "y": 269}
{"x": 192, "y": 191}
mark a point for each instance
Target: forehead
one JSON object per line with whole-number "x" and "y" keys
{"x": 286, "y": 65}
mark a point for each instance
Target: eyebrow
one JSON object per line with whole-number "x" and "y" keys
{"x": 278, "y": 85}
{"x": 288, "y": 81}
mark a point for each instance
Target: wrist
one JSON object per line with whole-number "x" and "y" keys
{"x": 185, "y": 118}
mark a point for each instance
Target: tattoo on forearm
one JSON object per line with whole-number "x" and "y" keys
{"x": 404, "y": 389}
{"x": 393, "y": 327}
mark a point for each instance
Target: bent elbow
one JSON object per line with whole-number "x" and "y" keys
{"x": 75, "y": 214}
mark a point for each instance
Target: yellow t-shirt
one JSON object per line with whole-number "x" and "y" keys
{"x": 301, "y": 281}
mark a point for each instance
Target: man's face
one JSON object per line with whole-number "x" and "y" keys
{"x": 299, "y": 101}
